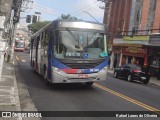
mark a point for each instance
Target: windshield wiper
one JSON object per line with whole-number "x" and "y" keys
{"x": 73, "y": 37}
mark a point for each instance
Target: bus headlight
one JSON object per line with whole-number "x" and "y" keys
{"x": 104, "y": 70}
{"x": 58, "y": 71}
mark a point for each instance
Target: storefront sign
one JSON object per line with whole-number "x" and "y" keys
{"x": 121, "y": 41}
{"x": 116, "y": 49}
{"x": 143, "y": 38}
{"x": 154, "y": 40}
{"x": 134, "y": 50}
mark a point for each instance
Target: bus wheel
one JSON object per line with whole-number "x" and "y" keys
{"x": 46, "y": 78}
{"x": 45, "y": 75}
{"x": 89, "y": 84}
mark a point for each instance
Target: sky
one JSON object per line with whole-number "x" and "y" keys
{"x": 53, "y": 9}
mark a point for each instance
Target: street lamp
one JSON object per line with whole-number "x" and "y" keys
{"x": 91, "y": 16}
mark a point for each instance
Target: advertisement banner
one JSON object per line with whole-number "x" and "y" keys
{"x": 134, "y": 38}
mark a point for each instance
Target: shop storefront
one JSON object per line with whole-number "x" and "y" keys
{"x": 130, "y": 49}
{"x": 154, "y": 53}
{"x": 134, "y": 55}
{"x": 115, "y": 57}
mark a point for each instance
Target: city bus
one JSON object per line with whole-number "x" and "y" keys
{"x": 19, "y": 45}
{"x": 67, "y": 51}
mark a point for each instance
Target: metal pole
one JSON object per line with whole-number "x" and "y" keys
{"x": 13, "y": 43}
{"x": 11, "y": 49}
{"x": 2, "y": 45}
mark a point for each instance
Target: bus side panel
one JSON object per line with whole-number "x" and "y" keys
{"x": 49, "y": 59}
{"x": 39, "y": 59}
{"x": 33, "y": 51}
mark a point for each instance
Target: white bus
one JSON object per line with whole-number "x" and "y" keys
{"x": 67, "y": 51}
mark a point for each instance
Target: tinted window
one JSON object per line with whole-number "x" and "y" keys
{"x": 135, "y": 67}
{"x": 126, "y": 67}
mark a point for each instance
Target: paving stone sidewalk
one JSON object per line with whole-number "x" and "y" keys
{"x": 9, "y": 98}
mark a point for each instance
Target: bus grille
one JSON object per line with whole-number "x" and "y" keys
{"x": 82, "y": 65}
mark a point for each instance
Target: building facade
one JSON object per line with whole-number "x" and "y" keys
{"x": 135, "y": 26}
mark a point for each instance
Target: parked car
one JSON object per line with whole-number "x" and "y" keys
{"x": 132, "y": 72}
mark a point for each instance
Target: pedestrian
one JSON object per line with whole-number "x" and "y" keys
{"x": 158, "y": 73}
{"x": 109, "y": 62}
{"x": 4, "y": 55}
{"x": 115, "y": 63}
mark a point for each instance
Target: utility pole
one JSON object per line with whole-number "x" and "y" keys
{"x": 2, "y": 44}
{"x": 107, "y": 10}
{"x": 16, "y": 17}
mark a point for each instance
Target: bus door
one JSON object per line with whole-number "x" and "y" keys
{"x": 37, "y": 45}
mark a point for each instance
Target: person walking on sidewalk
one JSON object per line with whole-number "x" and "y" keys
{"x": 115, "y": 63}
{"x": 158, "y": 73}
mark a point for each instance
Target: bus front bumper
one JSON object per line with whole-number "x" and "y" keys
{"x": 62, "y": 77}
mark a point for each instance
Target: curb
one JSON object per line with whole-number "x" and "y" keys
{"x": 18, "y": 106}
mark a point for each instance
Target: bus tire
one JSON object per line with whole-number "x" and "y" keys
{"x": 46, "y": 81}
{"x": 89, "y": 84}
{"x": 45, "y": 75}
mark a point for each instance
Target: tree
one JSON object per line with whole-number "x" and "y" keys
{"x": 37, "y": 26}
{"x": 63, "y": 16}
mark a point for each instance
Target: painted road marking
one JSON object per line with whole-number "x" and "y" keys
{"x": 128, "y": 99}
{"x": 17, "y": 58}
{"x": 23, "y": 60}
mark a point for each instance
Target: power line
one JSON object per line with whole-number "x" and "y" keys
{"x": 83, "y": 8}
{"x": 51, "y": 9}
{"x": 90, "y": 9}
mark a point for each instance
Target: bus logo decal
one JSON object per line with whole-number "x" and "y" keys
{"x": 80, "y": 71}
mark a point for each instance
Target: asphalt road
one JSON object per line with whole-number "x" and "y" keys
{"x": 109, "y": 95}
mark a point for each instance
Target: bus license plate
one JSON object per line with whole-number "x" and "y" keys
{"x": 82, "y": 76}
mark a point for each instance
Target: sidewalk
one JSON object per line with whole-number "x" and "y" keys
{"x": 9, "y": 98}
{"x": 153, "y": 80}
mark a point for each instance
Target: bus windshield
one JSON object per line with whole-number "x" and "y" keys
{"x": 74, "y": 44}
{"x": 19, "y": 44}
